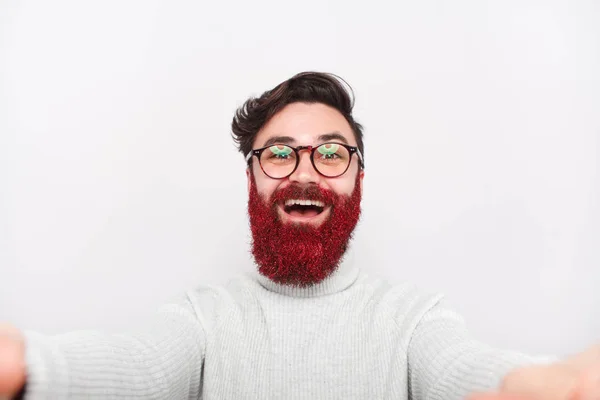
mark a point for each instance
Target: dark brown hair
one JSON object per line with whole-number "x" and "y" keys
{"x": 305, "y": 87}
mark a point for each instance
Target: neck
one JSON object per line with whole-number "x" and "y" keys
{"x": 341, "y": 278}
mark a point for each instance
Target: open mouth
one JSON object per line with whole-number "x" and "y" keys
{"x": 303, "y": 208}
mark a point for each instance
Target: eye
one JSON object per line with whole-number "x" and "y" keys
{"x": 278, "y": 154}
{"x": 279, "y": 151}
{"x": 329, "y": 151}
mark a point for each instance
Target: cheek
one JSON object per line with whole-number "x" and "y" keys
{"x": 265, "y": 186}
{"x": 343, "y": 186}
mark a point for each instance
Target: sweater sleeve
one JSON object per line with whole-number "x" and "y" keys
{"x": 163, "y": 360}
{"x": 444, "y": 363}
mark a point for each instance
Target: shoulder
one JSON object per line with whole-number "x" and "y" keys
{"x": 210, "y": 301}
{"x": 404, "y": 301}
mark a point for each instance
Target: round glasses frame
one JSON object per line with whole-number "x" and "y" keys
{"x": 351, "y": 150}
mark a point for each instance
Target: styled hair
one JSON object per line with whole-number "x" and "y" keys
{"x": 305, "y": 87}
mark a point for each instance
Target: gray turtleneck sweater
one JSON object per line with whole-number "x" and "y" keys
{"x": 353, "y": 336}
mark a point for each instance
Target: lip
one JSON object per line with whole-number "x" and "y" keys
{"x": 316, "y": 220}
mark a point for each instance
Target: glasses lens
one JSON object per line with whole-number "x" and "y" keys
{"x": 278, "y": 160}
{"x": 331, "y": 159}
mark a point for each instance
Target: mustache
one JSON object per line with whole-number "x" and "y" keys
{"x": 312, "y": 192}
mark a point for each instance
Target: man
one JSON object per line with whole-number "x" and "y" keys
{"x": 310, "y": 324}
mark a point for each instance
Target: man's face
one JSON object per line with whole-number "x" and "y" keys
{"x": 300, "y": 244}
{"x": 306, "y": 124}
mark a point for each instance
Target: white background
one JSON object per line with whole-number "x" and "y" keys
{"x": 120, "y": 186}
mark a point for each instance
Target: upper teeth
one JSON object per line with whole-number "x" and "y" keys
{"x": 304, "y": 203}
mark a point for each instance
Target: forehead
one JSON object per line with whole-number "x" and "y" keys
{"x": 306, "y": 124}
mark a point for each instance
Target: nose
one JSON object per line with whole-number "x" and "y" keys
{"x": 305, "y": 172}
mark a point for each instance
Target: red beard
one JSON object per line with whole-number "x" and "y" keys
{"x": 301, "y": 254}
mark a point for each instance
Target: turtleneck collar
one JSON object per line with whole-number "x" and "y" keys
{"x": 341, "y": 278}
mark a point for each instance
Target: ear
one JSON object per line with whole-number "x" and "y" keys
{"x": 249, "y": 177}
{"x": 361, "y": 176}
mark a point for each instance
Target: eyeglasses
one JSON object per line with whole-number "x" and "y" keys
{"x": 280, "y": 161}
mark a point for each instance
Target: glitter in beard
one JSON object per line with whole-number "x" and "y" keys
{"x": 300, "y": 254}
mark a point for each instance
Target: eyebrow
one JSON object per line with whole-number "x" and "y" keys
{"x": 290, "y": 140}
{"x": 332, "y": 136}
{"x": 280, "y": 140}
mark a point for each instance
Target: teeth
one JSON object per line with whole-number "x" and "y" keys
{"x": 304, "y": 202}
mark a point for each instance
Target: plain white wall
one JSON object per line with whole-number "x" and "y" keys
{"x": 120, "y": 185}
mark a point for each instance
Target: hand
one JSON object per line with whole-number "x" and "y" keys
{"x": 12, "y": 361}
{"x": 576, "y": 378}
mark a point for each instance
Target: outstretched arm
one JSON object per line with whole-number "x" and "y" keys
{"x": 162, "y": 360}
{"x": 445, "y": 363}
